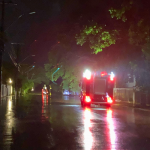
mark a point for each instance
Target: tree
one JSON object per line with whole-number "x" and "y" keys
{"x": 66, "y": 65}
{"x": 27, "y": 85}
{"x": 126, "y": 44}
{"x": 135, "y": 15}
{"x": 32, "y": 78}
{"x": 38, "y": 75}
{"x": 116, "y": 42}
{"x": 97, "y": 37}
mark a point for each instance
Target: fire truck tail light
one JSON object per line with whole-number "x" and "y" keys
{"x": 111, "y": 79}
{"x": 104, "y": 73}
{"x": 109, "y": 100}
{"x": 87, "y": 99}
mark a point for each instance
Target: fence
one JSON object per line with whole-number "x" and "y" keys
{"x": 6, "y": 90}
{"x": 126, "y": 95}
{"x": 123, "y": 94}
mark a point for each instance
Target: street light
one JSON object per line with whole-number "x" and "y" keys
{"x": 18, "y": 19}
{"x": 29, "y": 68}
{"x": 9, "y": 86}
{"x": 10, "y": 80}
{"x": 32, "y": 89}
{"x": 53, "y": 75}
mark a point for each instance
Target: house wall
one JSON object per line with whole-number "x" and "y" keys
{"x": 6, "y": 90}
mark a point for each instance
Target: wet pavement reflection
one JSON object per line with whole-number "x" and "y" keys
{"x": 88, "y": 137}
{"x": 59, "y": 123}
{"x": 111, "y": 128}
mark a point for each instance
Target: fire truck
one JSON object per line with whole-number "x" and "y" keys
{"x": 97, "y": 88}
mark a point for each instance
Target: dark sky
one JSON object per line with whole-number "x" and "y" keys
{"x": 29, "y": 29}
{"x": 39, "y": 31}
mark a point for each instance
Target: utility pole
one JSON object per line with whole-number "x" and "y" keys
{"x": 16, "y": 77}
{"x": 17, "y": 49}
{"x": 2, "y": 42}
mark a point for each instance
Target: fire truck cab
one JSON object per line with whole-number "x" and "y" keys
{"x": 97, "y": 88}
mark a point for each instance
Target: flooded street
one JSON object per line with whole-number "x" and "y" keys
{"x": 59, "y": 123}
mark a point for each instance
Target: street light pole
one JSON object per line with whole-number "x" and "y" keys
{"x": 2, "y": 44}
{"x": 18, "y": 19}
{"x": 53, "y": 75}
{"x": 26, "y": 58}
{"x": 16, "y": 73}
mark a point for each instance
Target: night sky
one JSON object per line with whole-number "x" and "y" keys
{"x": 38, "y": 32}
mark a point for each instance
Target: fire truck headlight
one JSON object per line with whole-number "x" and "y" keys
{"x": 112, "y": 76}
{"x": 87, "y": 74}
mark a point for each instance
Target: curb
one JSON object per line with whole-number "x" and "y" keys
{"x": 135, "y": 107}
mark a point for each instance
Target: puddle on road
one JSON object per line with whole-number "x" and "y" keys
{"x": 23, "y": 126}
{"x": 26, "y": 126}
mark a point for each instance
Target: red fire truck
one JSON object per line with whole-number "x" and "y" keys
{"x": 97, "y": 88}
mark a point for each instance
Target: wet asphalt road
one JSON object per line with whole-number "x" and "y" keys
{"x": 59, "y": 123}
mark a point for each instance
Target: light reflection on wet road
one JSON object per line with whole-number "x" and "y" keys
{"x": 111, "y": 126}
{"x": 59, "y": 123}
{"x": 88, "y": 137}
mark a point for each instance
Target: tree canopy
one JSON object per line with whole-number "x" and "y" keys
{"x": 97, "y": 37}
{"x": 68, "y": 66}
{"x": 135, "y": 15}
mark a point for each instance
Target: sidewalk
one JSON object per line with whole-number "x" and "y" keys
{"x": 7, "y": 96}
{"x": 126, "y": 104}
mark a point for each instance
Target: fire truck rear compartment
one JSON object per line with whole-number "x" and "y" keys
{"x": 99, "y": 98}
{"x": 99, "y": 87}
